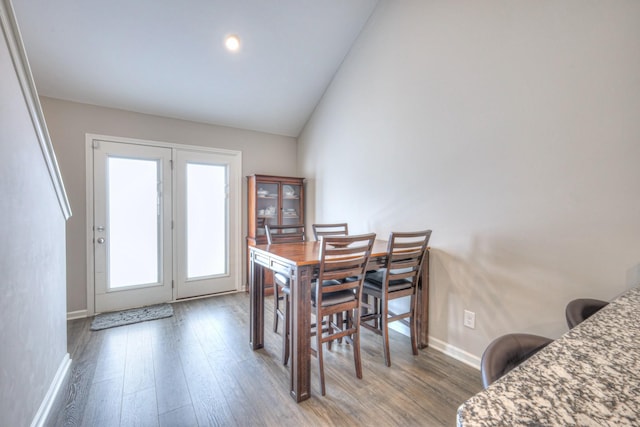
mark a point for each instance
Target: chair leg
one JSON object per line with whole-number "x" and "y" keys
{"x": 365, "y": 305}
{"x": 375, "y": 305}
{"x": 355, "y": 339}
{"x": 276, "y": 306}
{"x": 370, "y": 309}
{"x": 385, "y": 332}
{"x": 413, "y": 326}
{"x": 329, "y": 331}
{"x": 349, "y": 325}
{"x": 287, "y": 330}
{"x": 319, "y": 351}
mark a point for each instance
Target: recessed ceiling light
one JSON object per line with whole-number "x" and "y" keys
{"x": 232, "y": 42}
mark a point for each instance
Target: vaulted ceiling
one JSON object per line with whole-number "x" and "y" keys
{"x": 167, "y": 57}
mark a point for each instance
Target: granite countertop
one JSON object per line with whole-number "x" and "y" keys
{"x": 588, "y": 377}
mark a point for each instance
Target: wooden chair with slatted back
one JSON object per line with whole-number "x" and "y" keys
{"x": 281, "y": 288}
{"x": 285, "y": 233}
{"x": 339, "y": 229}
{"x": 336, "y": 229}
{"x": 340, "y": 257}
{"x": 398, "y": 279}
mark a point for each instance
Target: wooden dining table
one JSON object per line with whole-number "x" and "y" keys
{"x": 300, "y": 262}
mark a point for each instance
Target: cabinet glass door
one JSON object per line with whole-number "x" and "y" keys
{"x": 291, "y": 204}
{"x": 267, "y": 205}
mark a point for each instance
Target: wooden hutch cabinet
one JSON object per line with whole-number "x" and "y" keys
{"x": 274, "y": 200}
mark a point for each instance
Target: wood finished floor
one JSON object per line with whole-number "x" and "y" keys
{"x": 196, "y": 369}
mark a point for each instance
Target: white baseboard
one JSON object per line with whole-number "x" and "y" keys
{"x": 79, "y": 314}
{"x": 455, "y": 352}
{"x": 441, "y": 346}
{"x": 43, "y": 412}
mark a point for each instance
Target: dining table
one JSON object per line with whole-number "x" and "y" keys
{"x": 590, "y": 376}
{"x": 300, "y": 261}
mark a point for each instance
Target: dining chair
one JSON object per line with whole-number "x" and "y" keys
{"x": 506, "y": 352}
{"x": 579, "y": 310}
{"x": 281, "y": 288}
{"x": 340, "y": 257}
{"x": 338, "y": 229}
{"x": 398, "y": 279}
{"x": 285, "y": 233}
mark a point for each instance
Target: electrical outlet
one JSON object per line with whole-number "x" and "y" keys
{"x": 469, "y": 319}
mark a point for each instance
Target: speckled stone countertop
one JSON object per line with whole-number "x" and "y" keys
{"x": 588, "y": 377}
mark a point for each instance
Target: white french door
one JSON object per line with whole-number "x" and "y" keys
{"x": 164, "y": 223}
{"x": 202, "y": 215}
{"x": 132, "y": 225}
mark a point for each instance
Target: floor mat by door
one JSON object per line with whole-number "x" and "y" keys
{"x": 127, "y": 317}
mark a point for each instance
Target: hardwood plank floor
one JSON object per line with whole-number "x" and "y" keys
{"x": 196, "y": 369}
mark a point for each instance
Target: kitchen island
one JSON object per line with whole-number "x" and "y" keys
{"x": 588, "y": 377}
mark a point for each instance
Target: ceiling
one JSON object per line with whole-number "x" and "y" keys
{"x": 167, "y": 57}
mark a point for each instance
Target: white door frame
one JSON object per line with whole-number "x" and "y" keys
{"x": 235, "y": 181}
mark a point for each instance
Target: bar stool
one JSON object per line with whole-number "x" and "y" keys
{"x": 506, "y": 352}
{"x": 578, "y": 310}
{"x": 281, "y": 288}
{"x": 398, "y": 279}
{"x": 340, "y": 258}
{"x": 333, "y": 229}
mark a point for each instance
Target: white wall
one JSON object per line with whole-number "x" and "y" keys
{"x": 33, "y": 331}
{"x": 69, "y": 123}
{"x": 512, "y": 129}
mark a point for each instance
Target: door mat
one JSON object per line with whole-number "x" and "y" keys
{"x": 127, "y": 317}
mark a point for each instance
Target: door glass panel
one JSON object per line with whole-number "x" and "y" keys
{"x": 206, "y": 220}
{"x": 133, "y": 222}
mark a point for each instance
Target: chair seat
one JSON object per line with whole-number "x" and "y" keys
{"x": 375, "y": 280}
{"x": 332, "y": 298}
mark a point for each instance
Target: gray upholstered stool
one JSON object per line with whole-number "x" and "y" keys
{"x": 506, "y": 352}
{"x": 581, "y": 309}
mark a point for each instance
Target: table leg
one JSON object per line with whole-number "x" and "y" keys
{"x": 256, "y": 304}
{"x": 300, "y": 328}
